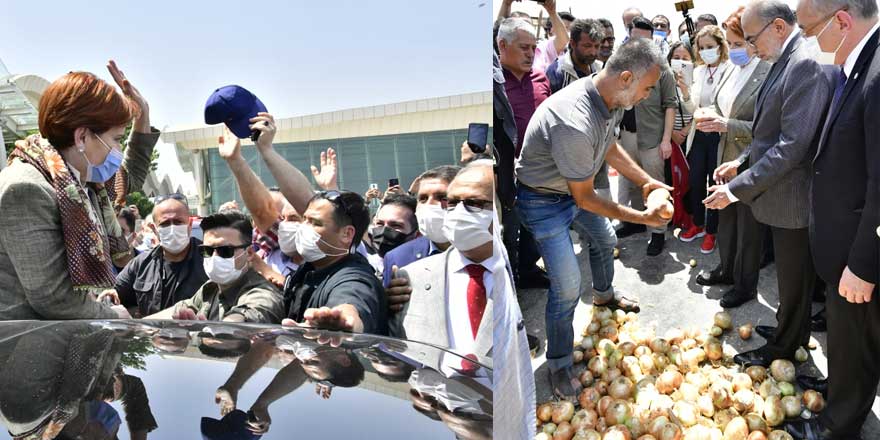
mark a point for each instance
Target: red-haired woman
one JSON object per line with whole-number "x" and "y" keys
{"x": 59, "y": 235}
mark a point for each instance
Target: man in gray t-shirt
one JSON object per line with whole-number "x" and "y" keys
{"x": 567, "y": 139}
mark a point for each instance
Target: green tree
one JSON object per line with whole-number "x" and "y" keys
{"x": 136, "y": 352}
{"x": 145, "y": 206}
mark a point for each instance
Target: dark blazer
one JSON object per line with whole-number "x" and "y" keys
{"x": 405, "y": 254}
{"x": 846, "y": 177}
{"x": 503, "y": 137}
{"x": 784, "y": 134}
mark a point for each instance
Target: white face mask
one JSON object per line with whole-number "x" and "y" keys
{"x": 710, "y": 56}
{"x": 222, "y": 270}
{"x": 174, "y": 238}
{"x": 466, "y": 230}
{"x": 287, "y": 236}
{"x": 307, "y": 239}
{"x": 819, "y": 55}
{"x": 430, "y": 219}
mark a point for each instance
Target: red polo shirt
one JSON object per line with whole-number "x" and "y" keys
{"x": 525, "y": 95}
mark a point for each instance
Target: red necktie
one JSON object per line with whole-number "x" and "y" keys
{"x": 476, "y": 296}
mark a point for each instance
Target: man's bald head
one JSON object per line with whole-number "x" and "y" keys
{"x": 474, "y": 181}
{"x": 170, "y": 212}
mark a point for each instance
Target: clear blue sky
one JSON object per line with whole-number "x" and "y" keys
{"x": 299, "y": 57}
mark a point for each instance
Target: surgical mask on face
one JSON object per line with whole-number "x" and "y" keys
{"x": 222, "y": 270}
{"x": 686, "y": 39}
{"x": 287, "y": 236}
{"x": 467, "y": 230}
{"x": 103, "y": 172}
{"x": 386, "y": 239}
{"x": 307, "y": 239}
{"x": 710, "y": 56}
{"x": 821, "y": 56}
{"x": 740, "y": 56}
{"x": 174, "y": 238}
{"x": 660, "y": 35}
{"x": 430, "y": 219}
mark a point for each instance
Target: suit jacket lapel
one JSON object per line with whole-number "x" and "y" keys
{"x": 862, "y": 62}
{"x": 749, "y": 89}
{"x": 775, "y": 72}
{"x": 483, "y": 343}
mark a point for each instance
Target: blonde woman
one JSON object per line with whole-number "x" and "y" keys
{"x": 711, "y": 59}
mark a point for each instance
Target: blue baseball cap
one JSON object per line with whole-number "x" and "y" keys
{"x": 234, "y": 106}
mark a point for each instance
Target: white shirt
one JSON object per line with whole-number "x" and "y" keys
{"x": 703, "y": 91}
{"x": 276, "y": 260}
{"x": 850, "y": 62}
{"x": 458, "y": 321}
{"x": 739, "y": 77}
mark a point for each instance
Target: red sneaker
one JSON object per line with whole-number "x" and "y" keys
{"x": 708, "y": 244}
{"x": 691, "y": 234}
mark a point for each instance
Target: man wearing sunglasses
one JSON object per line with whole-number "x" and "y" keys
{"x": 234, "y": 292}
{"x": 170, "y": 272}
{"x": 789, "y": 113}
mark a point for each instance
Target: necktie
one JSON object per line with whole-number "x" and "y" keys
{"x": 476, "y": 296}
{"x": 838, "y": 89}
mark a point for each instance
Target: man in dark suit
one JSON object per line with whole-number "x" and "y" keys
{"x": 788, "y": 116}
{"x": 846, "y": 210}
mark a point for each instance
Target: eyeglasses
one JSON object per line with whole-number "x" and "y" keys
{"x": 335, "y": 197}
{"x": 470, "y": 205}
{"x": 176, "y": 196}
{"x": 751, "y": 40}
{"x": 227, "y": 251}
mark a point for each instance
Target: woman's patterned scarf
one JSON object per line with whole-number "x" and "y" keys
{"x": 90, "y": 244}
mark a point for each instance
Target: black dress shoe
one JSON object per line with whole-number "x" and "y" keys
{"x": 818, "y": 322}
{"x": 766, "y": 331}
{"x": 712, "y": 277}
{"x": 732, "y": 298}
{"x": 754, "y": 357}
{"x": 656, "y": 244}
{"x": 810, "y": 429}
{"x": 630, "y": 229}
{"x": 813, "y": 383}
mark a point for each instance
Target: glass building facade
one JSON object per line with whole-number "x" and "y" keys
{"x": 361, "y": 160}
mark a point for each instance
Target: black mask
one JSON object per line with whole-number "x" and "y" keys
{"x": 386, "y": 239}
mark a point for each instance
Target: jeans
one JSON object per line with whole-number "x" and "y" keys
{"x": 549, "y": 217}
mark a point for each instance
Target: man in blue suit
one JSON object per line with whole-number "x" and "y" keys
{"x": 431, "y": 196}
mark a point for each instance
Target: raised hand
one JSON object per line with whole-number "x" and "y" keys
{"x": 326, "y": 176}
{"x": 142, "y": 123}
{"x": 229, "y": 145}
{"x": 265, "y": 123}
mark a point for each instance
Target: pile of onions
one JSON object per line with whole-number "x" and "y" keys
{"x": 681, "y": 385}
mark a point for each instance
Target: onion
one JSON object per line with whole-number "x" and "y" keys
{"x": 563, "y": 432}
{"x": 545, "y": 412}
{"x": 723, "y": 320}
{"x": 647, "y": 437}
{"x": 656, "y": 423}
{"x": 758, "y": 407}
{"x": 598, "y": 365}
{"x": 716, "y": 331}
{"x": 646, "y": 363}
{"x": 689, "y": 392}
{"x": 743, "y": 401}
{"x": 588, "y": 434}
{"x": 601, "y": 313}
{"x": 745, "y": 331}
{"x": 660, "y": 361}
{"x": 549, "y": 428}
{"x": 786, "y": 389}
{"x": 601, "y": 425}
{"x": 707, "y": 408}
{"x": 608, "y": 332}
{"x": 687, "y": 344}
{"x": 757, "y": 435}
{"x": 587, "y": 344}
{"x": 792, "y": 406}
{"x": 543, "y": 436}
{"x": 779, "y": 435}
{"x": 662, "y": 402}
{"x": 642, "y": 350}
{"x": 577, "y": 356}
{"x": 756, "y": 423}
{"x": 814, "y": 401}
{"x": 723, "y": 417}
{"x": 698, "y": 432}
{"x": 693, "y": 357}
{"x": 721, "y": 396}
{"x": 589, "y": 398}
{"x": 757, "y": 373}
{"x": 668, "y": 431}
{"x": 620, "y": 388}
{"x": 619, "y": 316}
{"x": 659, "y": 345}
{"x": 686, "y": 413}
{"x": 610, "y": 374}
{"x": 601, "y": 386}
{"x": 801, "y": 355}
{"x": 606, "y": 347}
{"x": 603, "y": 405}
{"x": 563, "y": 411}
{"x": 768, "y": 389}
{"x": 618, "y": 412}
{"x": 669, "y": 381}
{"x": 627, "y": 348}
{"x": 714, "y": 350}
{"x": 585, "y": 378}
{"x": 737, "y": 429}
{"x": 742, "y": 381}
{"x": 698, "y": 378}
{"x": 616, "y": 433}
{"x": 593, "y": 328}
{"x": 782, "y": 370}
{"x": 675, "y": 335}
{"x": 773, "y": 412}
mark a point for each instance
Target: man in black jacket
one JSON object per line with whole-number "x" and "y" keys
{"x": 845, "y": 210}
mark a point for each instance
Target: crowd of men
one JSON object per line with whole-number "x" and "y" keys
{"x": 787, "y": 99}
